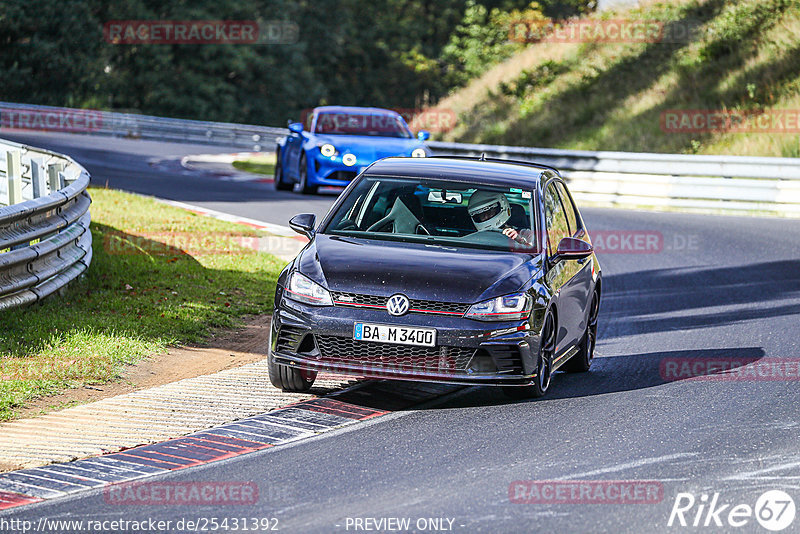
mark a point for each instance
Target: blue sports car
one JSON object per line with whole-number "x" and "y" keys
{"x": 340, "y": 142}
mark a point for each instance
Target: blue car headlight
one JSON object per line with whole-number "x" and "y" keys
{"x": 418, "y": 153}
{"x": 327, "y": 150}
{"x": 349, "y": 159}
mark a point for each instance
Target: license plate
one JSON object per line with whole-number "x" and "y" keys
{"x": 402, "y": 335}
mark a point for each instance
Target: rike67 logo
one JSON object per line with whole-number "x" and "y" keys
{"x": 774, "y": 510}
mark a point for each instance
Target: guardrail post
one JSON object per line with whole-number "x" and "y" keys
{"x": 14, "y": 175}
{"x": 55, "y": 177}
{"x": 38, "y": 178}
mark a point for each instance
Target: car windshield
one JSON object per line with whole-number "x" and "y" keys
{"x": 376, "y": 124}
{"x": 447, "y": 213}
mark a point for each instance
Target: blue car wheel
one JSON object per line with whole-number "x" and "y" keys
{"x": 302, "y": 185}
{"x": 280, "y": 184}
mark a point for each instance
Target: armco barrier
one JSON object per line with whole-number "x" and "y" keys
{"x": 726, "y": 183}
{"x": 722, "y": 183}
{"x": 45, "y": 241}
{"x": 130, "y": 125}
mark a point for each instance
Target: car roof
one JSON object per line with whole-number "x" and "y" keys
{"x": 354, "y": 109}
{"x": 508, "y": 173}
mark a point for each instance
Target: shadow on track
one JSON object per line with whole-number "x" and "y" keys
{"x": 608, "y": 375}
{"x": 659, "y": 300}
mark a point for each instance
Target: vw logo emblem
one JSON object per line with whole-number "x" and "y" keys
{"x": 397, "y": 305}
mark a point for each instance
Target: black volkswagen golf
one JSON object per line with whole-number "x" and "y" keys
{"x": 459, "y": 270}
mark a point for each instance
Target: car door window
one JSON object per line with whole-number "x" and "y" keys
{"x": 569, "y": 210}
{"x": 555, "y": 218}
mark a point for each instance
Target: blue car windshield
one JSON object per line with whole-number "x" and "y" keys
{"x": 374, "y": 124}
{"x": 447, "y": 213}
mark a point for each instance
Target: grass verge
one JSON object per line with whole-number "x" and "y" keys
{"x": 257, "y": 164}
{"x": 741, "y": 56}
{"x": 159, "y": 276}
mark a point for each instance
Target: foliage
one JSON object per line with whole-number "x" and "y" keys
{"x": 397, "y": 53}
{"x": 738, "y": 56}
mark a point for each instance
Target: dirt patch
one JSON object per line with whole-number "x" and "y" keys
{"x": 226, "y": 350}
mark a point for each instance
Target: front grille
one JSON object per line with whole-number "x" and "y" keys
{"x": 354, "y": 299}
{"x": 434, "y": 306}
{"x": 416, "y": 306}
{"x": 342, "y": 175}
{"x": 387, "y": 355}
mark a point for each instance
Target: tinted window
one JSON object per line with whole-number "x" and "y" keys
{"x": 555, "y": 218}
{"x": 376, "y": 124}
{"x": 569, "y": 208}
{"x": 437, "y": 212}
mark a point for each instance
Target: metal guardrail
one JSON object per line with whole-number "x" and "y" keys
{"x": 130, "y": 125}
{"x": 45, "y": 241}
{"x": 726, "y": 183}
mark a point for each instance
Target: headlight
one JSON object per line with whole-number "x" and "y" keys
{"x": 505, "y": 308}
{"x": 418, "y": 153}
{"x": 349, "y": 159}
{"x": 303, "y": 289}
{"x": 327, "y": 150}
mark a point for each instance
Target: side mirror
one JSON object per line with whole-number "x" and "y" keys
{"x": 296, "y": 127}
{"x": 572, "y": 248}
{"x": 303, "y": 224}
{"x": 423, "y": 135}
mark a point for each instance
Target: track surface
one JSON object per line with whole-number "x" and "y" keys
{"x": 722, "y": 287}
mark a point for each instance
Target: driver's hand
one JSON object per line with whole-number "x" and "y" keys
{"x": 510, "y": 232}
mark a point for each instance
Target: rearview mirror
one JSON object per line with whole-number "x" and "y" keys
{"x": 296, "y": 127}
{"x": 449, "y": 197}
{"x": 423, "y": 135}
{"x": 572, "y": 248}
{"x": 303, "y": 224}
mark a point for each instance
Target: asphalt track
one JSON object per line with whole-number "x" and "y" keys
{"x": 722, "y": 288}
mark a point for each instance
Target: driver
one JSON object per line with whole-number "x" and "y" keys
{"x": 490, "y": 211}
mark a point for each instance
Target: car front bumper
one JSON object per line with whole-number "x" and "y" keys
{"x": 331, "y": 171}
{"x": 467, "y": 351}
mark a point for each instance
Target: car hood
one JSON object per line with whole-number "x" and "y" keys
{"x": 371, "y": 146}
{"x": 419, "y": 271}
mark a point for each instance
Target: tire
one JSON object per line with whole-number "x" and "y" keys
{"x": 582, "y": 360}
{"x": 544, "y": 365}
{"x": 290, "y": 379}
{"x": 302, "y": 185}
{"x": 280, "y": 185}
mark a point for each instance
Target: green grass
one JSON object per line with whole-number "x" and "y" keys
{"x": 258, "y": 164}
{"x": 159, "y": 276}
{"x": 601, "y": 96}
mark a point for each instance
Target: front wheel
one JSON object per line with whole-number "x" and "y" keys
{"x": 290, "y": 379}
{"x": 544, "y": 367}
{"x": 280, "y": 185}
{"x": 302, "y": 186}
